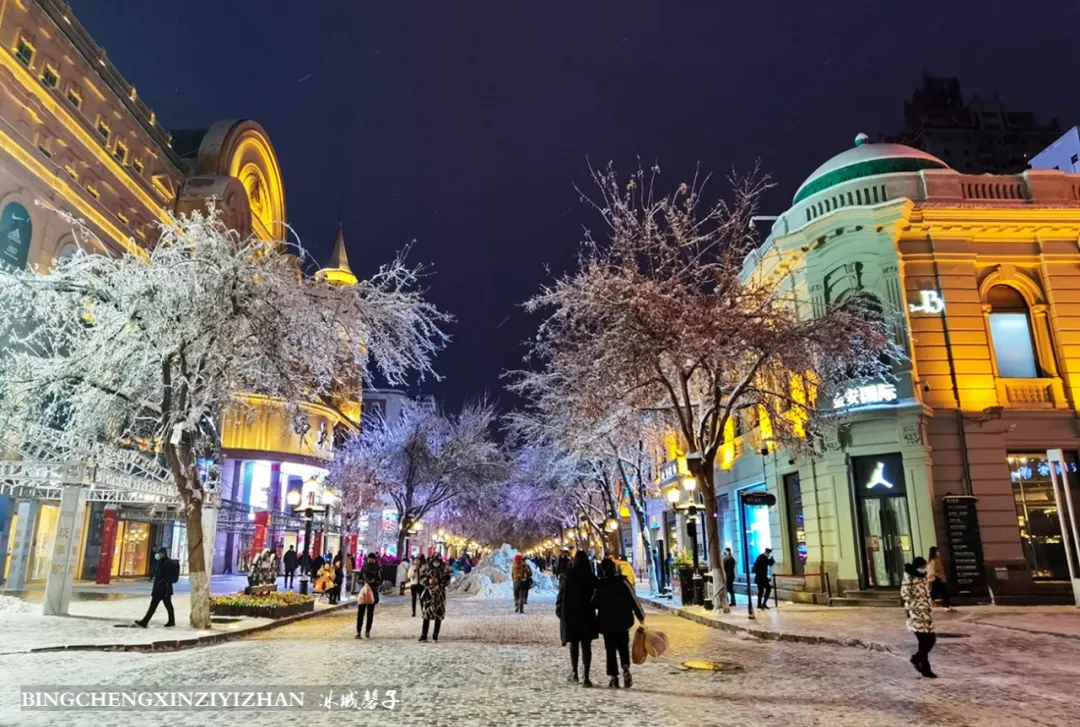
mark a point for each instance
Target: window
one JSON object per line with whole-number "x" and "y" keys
{"x": 44, "y": 145}
{"x": 120, "y": 152}
{"x": 137, "y": 166}
{"x": 123, "y": 218}
{"x": 1010, "y": 332}
{"x": 74, "y": 97}
{"x": 50, "y": 77}
{"x": 1074, "y": 158}
{"x": 24, "y": 52}
{"x": 103, "y": 129}
{"x": 93, "y": 191}
{"x": 1037, "y": 511}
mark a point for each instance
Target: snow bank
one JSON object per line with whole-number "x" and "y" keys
{"x": 491, "y": 578}
{"x": 10, "y": 604}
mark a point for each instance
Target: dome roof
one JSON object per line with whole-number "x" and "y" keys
{"x": 866, "y": 160}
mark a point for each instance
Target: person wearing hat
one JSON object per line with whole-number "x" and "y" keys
{"x": 521, "y": 574}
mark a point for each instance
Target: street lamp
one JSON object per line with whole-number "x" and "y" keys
{"x": 295, "y": 499}
{"x": 690, "y": 508}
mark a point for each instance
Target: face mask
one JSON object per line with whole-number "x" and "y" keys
{"x": 921, "y": 571}
{"x": 157, "y": 556}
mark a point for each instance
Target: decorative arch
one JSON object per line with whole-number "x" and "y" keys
{"x": 1023, "y": 284}
{"x": 242, "y": 150}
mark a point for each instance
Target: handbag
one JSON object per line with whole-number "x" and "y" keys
{"x": 637, "y": 649}
{"x": 656, "y": 643}
{"x": 367, "y": 596}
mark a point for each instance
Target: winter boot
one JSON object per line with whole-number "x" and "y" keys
{"x": 585, "y": 682}
{"x": 573, "y": 677}
{"x": 613, "y": 683}
{"x": 627, "y": 681}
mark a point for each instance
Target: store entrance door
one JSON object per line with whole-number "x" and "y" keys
{"x": 884, "y": 523}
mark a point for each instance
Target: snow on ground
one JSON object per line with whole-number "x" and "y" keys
{"x": 491, "y": 578}
{"x": 10, "y": 604}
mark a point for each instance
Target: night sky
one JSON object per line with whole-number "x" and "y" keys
{"x": 463, "y": 124}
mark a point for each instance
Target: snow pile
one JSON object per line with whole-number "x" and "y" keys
{"x": 10, "y": 604}
{"x": 491, "y": 578}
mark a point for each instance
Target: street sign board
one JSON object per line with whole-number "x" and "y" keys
{"x": 759, "y": 498}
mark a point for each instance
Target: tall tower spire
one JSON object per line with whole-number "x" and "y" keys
{"x": 337, "y": 270}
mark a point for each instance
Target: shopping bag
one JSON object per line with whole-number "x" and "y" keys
{"x": 656, "y": 643}
{"x": 367, "y": 596}
{"x": 637, "y": 649}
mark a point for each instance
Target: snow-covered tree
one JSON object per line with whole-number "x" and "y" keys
{"x": 353, "y": 477}
{"x": 658, "y": 316}
{"x": 426, "y": 459}
{"x": 157, "y": 345}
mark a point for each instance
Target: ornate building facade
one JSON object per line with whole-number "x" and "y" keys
{"x": 983, "y": 276}
{"x": 76, "y": 136}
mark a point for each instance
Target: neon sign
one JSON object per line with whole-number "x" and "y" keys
{"x": 930, "y": 301}
{"x": 865, "y": 395}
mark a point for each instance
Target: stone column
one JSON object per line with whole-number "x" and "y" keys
{"x": 65, "y": 551}
{"x": 24, "y": 542}
{"x": 7, "y": 509}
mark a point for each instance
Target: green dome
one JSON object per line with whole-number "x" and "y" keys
{"x": 866, "y": 160}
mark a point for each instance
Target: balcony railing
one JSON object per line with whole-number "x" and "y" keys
{"x": 1047, "y": 393}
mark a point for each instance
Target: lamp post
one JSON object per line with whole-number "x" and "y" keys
{"x": 690, "y": 507}
{"x": 415, "y": 526}
{"x": 294, "y": 500}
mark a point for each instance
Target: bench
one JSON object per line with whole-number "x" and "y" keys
{"x": 260, "y": 590}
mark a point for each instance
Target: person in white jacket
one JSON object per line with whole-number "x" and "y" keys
{"x": 403, "y": 574}
{"x": 415, "y": 575}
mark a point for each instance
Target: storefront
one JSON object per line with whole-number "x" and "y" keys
{"x": 1037, "y": 512}
{"x": 757, "y": 531}
{"x": 796, "y": 523}
{"x": 131, "y": 552}
{"x": 882, "y": 518}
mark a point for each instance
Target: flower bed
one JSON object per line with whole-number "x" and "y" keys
{"x": 277, "y": 604}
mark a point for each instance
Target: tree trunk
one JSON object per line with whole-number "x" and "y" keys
{"x": 197, "y": 573}
{"x": 403, "y": 533}
{"x": 646, "y": 539}
{"x": 712, "y": 528}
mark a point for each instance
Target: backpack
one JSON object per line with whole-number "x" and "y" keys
{"x": 174, "y": 571}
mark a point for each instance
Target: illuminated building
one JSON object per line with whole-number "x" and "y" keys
{"x": 1063, "y": 155}
{"x": 983, "y": 274}
{"x": 74, "y": 134}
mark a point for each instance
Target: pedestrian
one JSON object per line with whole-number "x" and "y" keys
{"x": 729, "y": 574}
{"x": 577, "y": 617}
{"x": 166, "y": 574}
{"x": 416, "y": 576}
{"x": 402, "y": 575}
{"x": 625, "y": 569}
{"x": 317, "y": 564}
{"x": 562, "y": 564}
{"x": 915, "y": 593}
{"x": 521, "y": 574}
{"x": 433, "y": 601}
{"x": 289, "y": 561}
{"x": 761, "y": 578}
{"x": 616, "y": 606}
{"x": 371, "y": 575}
{"x": 935, "y": 573}
{"x": 339, "y": 579}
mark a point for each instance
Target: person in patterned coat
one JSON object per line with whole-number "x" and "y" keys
{"x": 433, "y": 599}
{"x": 915, "y": 593}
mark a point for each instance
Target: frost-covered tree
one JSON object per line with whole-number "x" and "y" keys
{"x": 658, "y": 316}
{"x": 425, "y": 459}
{"x": 157, "y": 345}
{"x": 353, "y": 477}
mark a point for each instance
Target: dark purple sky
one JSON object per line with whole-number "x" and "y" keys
{"x": 465, "y": 124}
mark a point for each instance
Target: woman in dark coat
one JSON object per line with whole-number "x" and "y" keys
{"x": 371, "y": 574}
{"x": 339, "y": 578}
{"x": 616, "y": 607}
{"x": 577, "y": 618}
{"x": 433, "y": 599}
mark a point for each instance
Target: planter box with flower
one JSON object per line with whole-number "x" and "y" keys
{"x": 266, "y": 605}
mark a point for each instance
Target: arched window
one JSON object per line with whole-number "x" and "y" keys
{"x": 1010, "y": 331}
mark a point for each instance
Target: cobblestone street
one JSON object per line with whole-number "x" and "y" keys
{"x": 491, "y": 666}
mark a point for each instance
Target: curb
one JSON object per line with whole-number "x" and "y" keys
{"x": 1055, "y": 634}
{"x": 766, "y": 634}
{"x": 179, "y": 644}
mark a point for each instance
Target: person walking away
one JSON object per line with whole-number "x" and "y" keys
{"x": 562, "y": 564}
{"x": 290, "y": 561}
{"x": 935, "y": 573}
{"x": 402, "y": 576}
{"x": 521, "y": 574}
{"x": 433, "y": 601}
{"x": 416, "y": 576}
{"x": 915, "y": 593}
{"x": 616, "y": 606}
{"x": 166, "y": 574}
{"x": 761, "y": 578}
{"x": 729, "y": 574}
{"x": 370, "y": 576}
{"x": 577, "y": 617}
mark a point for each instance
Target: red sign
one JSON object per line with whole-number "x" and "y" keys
{"x": 262, "y": 519}
{"x": 317, "y": 540}
{"x": 108, "y": 543}
{"x": 354, "y": 544}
